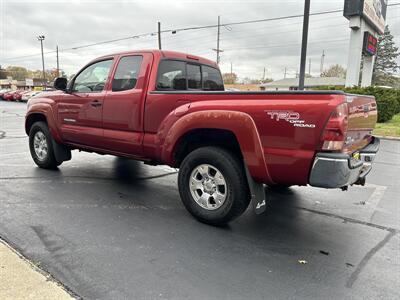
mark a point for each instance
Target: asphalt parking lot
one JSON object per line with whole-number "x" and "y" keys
{"x": 109, "y": 228}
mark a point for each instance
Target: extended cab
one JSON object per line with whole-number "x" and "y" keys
{"x": 164, "y": 107}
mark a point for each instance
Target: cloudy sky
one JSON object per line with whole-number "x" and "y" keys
{"x": 251, "y": 47}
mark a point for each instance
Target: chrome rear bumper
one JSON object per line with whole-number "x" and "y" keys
{"x": 339, "y": 170}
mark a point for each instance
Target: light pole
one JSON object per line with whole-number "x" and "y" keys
{"x": 159, "y": 35}
{"x": 41, "y": 39}
{"x": 304, "y": 44}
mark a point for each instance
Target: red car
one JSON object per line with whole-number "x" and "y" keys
{"x": 2, "y": 92}
{"x": 18, "y": 95}
{"x": 170, "y": 108}
{"x": 9, "y": 96}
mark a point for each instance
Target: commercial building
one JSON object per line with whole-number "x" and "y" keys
{"x": 310, "y": 83}
{"x": 27, "y": 84}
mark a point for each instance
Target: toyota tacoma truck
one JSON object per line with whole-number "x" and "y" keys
{"x": 165, "y": 107}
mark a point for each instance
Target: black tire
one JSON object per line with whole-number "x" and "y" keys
{"x": 48, "y": 161}
{"x": 237, "y": 192}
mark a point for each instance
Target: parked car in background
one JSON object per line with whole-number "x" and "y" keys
{"x": 9, "y": 96}
{"x": 3, "y": 91}
{"x": 17, "y": 96}
{"x": 26, "y": 96}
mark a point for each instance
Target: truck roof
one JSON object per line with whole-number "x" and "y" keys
{"x": 167, "y": 54}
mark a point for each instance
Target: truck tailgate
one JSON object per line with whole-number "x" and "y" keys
{"x": 362, "y": 117}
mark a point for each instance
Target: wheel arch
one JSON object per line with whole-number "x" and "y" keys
{"x": 33, "y": 118}
{"x": 237, "y": 126}
{"x": 200, "y": 137}
{"x": 42, "y": 112}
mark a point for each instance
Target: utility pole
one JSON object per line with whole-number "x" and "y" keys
{"x": 284, "y": 75}
{"x": 159, "y": 35}
{"x": 218, "y": 33}
{"x": 41, "y": 38}
{"x": 58, "y": 64}
{"x": 219, "y": 22}
{"x": 304, "y": 44}
{"x": 309, "y": 67}
{"x": 264, "y": 74}
{"x": 321, "y": 69}
{"x": 231, "y": 69}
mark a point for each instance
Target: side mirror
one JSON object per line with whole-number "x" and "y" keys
{"x": 60, "y": 83}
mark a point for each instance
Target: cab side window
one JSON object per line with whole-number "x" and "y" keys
{"x": 93, "y": 78}
{"x": 171, "y": 75}
{"x": 127, "y": 73}
{"x": 212, "y": 79}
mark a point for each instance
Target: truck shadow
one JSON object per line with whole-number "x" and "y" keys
{"x": 128, "y": 170}
{"x": 132, "y": 184}
{"x": 134, "y": 192}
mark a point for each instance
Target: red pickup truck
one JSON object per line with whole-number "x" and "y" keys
{"x": 164, "y": 107}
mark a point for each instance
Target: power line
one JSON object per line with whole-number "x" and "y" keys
{"x": 276, "y": 33}
{"x": 284, "y": 45}
{"x": 154, "y": 33}
{"x": 289, "y": 45}
{"x": 269, "y": 19}
{"x": 235, "y": 37}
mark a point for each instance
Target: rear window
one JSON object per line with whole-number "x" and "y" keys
{"x": 194, "y": 76}
{"x": 181, "y": 75}
{"x": 171, "y": 75}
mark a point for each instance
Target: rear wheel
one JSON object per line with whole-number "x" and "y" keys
{"x": 213, "y": 186}
{"x": 41, "y": 147}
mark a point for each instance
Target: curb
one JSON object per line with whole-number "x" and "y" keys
{"x": 39, "y": 269}
{"x": 390, "y": 138}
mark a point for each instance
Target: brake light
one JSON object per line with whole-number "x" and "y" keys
{"x": 334, "y": 134}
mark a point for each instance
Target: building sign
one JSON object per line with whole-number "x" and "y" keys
{"x": 372, "y": 11}
{"x": 370, "y": 44}
{"x": 28, "y": 82}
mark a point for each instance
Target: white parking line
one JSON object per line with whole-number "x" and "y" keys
{"x": 372, "y": 203}
{"x": 375, "y": 198}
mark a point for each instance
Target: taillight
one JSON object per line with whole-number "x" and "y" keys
{"x": 334, "y": 134}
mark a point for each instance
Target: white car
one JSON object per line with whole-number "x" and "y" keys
{"x": 27, "y": 96}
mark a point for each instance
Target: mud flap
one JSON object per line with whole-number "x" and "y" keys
{"x": 61, "y": 152}
{"x": 258, "y": 196}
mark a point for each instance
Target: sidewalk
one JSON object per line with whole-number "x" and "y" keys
{"x": 20, "y": 279}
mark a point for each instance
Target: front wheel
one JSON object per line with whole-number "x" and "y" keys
{"x": 41, "y": 147}
{"x": 213, "y": 186}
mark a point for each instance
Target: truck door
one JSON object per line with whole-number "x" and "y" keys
{"x": 80, "y": 110}
{"x": 124, "y": 104}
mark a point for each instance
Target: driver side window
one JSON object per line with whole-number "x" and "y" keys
{"x": 93, "y": 78}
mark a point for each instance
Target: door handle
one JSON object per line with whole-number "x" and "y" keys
{"x": 95, "y": 103}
